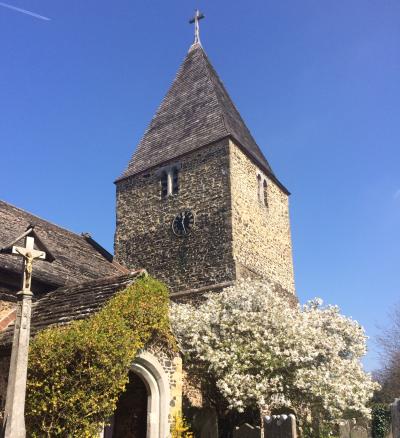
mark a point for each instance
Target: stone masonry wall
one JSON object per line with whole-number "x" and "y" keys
{"x": 172, "y": 365}
{"x": 262, "y": 245}
{"x": 144, "y": 237}
{"x": 4, "y": 369}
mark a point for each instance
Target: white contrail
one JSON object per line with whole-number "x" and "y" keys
{"x": 24, "y": 11}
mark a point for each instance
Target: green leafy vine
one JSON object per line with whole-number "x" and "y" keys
{"x": 381, "y": 420}
{"x": 77, "y": 372}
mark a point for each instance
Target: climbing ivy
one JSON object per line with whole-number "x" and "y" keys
{"x": 381, "y": 419}
{"x": 181, "y": 428}
{"x": 77, "y": 372}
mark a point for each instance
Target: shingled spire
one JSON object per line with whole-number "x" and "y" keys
{"x": 196, "y": 111}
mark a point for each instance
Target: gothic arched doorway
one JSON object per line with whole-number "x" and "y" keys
{"x": 130, "y": 418}
{"x": 146, "y": 417}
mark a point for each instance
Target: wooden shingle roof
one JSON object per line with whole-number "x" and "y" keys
{"x": 196, "y": 111}
{"x": 72, "y": 303}
{"x": 77, "y": 257}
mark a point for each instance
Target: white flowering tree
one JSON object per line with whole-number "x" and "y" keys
{"x": 263, "y": 351}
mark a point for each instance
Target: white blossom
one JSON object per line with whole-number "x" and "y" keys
{"x": 263, "y": 350}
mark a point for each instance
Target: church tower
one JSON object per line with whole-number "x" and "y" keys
{"x": 199, "y": 205}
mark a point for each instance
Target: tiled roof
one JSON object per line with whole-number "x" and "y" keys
{"x": 196, "y": 111}
{"x": 71, "y": 303}
{"x": 77, "y": 258}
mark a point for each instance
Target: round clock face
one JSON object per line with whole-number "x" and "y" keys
{"x": 183, "y": 223}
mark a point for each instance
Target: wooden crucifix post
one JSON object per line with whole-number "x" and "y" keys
{"x": 14, "y": 415}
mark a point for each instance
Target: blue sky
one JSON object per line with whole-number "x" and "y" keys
{"x": 316, "y": 81}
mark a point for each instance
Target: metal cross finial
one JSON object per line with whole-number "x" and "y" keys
{"x": 29, "y": 254}
{"x": 197, "y": 17}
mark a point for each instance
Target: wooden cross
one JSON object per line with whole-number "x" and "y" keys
{"x": 29, "y": 254}
{"x": 198, "y": 16}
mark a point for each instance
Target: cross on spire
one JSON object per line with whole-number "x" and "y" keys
{"x": 197, "y": 17}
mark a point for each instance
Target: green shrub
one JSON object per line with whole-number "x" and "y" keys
{"x": 381, "y": 419}
{"x": 77, "y": 372}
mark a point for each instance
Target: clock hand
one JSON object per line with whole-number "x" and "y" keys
{"x": 183, "y": 222}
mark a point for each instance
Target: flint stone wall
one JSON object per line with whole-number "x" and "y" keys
{"x": 144, "y": 236}
{"x": 262, "y": 244}
{"x": 4, "y": 369}
{"x": 234, "y": 235}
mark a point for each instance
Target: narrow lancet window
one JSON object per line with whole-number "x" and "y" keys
{"x": 262, "y": 189}
{"x": 259, "y": 188}
{"x": 169, "y": 182}
{"x": 164, "y": 185}
{"x": 175, "y": 181}
{"x": 265, "y": 193}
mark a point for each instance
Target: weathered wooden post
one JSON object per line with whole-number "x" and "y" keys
{"x": 14, "y": 415}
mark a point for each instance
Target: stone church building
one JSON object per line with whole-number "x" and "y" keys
{"x": 198, "y": 207}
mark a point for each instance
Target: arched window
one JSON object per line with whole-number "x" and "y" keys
{"x": 164, "y": 184}
{"x": 259, "y": 188}
{"x": 265, "y": 193}
{"x": 175, "y": 181}
{"x": 169, "y": 181}
{"x": 262, "y": 189}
